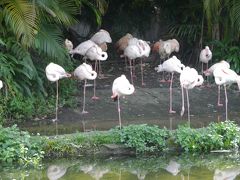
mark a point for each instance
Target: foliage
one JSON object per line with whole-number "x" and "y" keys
{"x": 144, "y": 138}
{"x": 216, "y": 136}
{"x": 17, "y": 146}
{"x": 229, "y": 51}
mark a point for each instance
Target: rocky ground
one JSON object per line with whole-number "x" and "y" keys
{"x": 149, "y": 104}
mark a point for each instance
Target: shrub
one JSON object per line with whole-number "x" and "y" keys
{"x": 18, "y": 146}
{"x": 144, "y": 138}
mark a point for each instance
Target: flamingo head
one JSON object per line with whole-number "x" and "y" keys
{"x": 199, "y": 80}
{"x": 125, "y": 88}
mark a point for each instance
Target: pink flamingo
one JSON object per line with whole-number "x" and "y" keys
{"x": 121, "y": 87}
{"x": 225, "y": 76}
{"x": 54, "y": 72}
{"x": 205, "y": 56}
{"x": 171, "y": 65}
{"x": 209, "y": 72}
{"x": 84, "y": 72}
{"x": 189, "y": 78}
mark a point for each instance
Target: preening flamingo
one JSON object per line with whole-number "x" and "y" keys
{"x": 68, "y": 45}
{"x": 84, "y": 72}
{"x": 205, "y": 56}
{"x": 209, "y": 72}
{"x": 225, "y": 76}
{"x": 54, "y": 72}
{"x": 171, "y": 65}
{"x": 121, "y": 87}
{"x": 96, "y": 54}
{"x": 189, "y": 78}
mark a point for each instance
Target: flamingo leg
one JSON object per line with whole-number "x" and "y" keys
{"x": 133, "y": 64}
{"x": 143, "y": 84}
{"x": 183, "y": 109}
{"x": 131, "y": 70}
{"x": 170, "y": 96}
{"x": 226, "y": 101}
{"x": 94, "y": 84}
{"x": 101, "y": 75}
{"x": 84, "y": 97}
{"x": 219, "y": 94}
{"x": 188, "y": 106}
{"x": 56, "y": 108}
{"x": 202, "y": 67}
{"x": 126, "y": 65}
{"x": 119, "y": 114}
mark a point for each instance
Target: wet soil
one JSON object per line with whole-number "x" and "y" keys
{"x": 149, "y": 104}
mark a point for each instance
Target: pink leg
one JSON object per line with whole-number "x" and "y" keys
{"x": 226, "y": 102}
{"x": 84, "y": 97}
{"x": 219, "y": 94}
{"x": 56, "y": 107}
{"x": 183, "y": 109}
{"x": 119, "y": 114}
{"x": 143, "y": 84}
{"x": 202, "y": 67}
{"x": 94, "y": 86}
{"x": 188, "y": 107}
{"x": 170, "y": 90}
{"x": 131, "y": 70}
{"x": 133, "y": 66}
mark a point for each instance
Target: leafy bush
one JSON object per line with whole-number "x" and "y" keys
{"x": 216, "y": 136}
{"x": 18, "y": 146}
{"x": 144, "y": 138}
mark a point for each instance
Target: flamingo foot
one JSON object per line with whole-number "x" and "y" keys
{"x": 219, "y": 104}
{"x": 95, "y": 98}
{"x": 84, "y": 112}
{"x": 172, "y": 112}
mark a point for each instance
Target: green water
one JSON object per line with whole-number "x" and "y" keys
{"x": 212, "y": 166}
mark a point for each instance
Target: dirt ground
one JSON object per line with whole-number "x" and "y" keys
{"x": 149, "y": 104}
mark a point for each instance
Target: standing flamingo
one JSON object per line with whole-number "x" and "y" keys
{"x": 54, "y": 72}
{"x": 121, "y": 87}
{"x": 209, "y": 72}
{"x": 84, "y": 72}
{"x": 189, "y": 78}
{"x": 101, "y": 38}
{"x": 95, "y": 53}
{"x": 165, "y": 49}
{"x": 205, "y": 56}
{"x": 171, "y": 65}
{"x": 224, "y": 76}
{"x": 1, "y": 84}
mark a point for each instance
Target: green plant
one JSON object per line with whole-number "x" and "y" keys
{"x": 144, "y": 138}
{"x": 17, "y": 146}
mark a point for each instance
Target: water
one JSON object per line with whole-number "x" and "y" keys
{"x": 212, "y": 166}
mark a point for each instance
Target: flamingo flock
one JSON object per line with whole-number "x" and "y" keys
{"x": 134, "y": 50}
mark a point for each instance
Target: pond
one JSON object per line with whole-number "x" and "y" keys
{"x": 212, "y": 166}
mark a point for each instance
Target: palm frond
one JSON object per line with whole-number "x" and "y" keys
{"x": 20, "y": 15}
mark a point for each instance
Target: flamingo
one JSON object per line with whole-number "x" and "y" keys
{"x": 96, "y": 53}
{"x": 101, "y": 38}
{"x": 54, "y": 172}
{"x": 68, "y": 45}
{"x": 209, "y": 72}
{"x": 166, "y": 48}
{"x": 173, "y": 167}
{"x": 225, "y": 76}
{"x": 1, "y": 84}
{"x": 189, "y": 78}
{"x": 84, "y": 72}
{"x": 205, "y": 56}
{"x": 54, "y": 72}
{"x": 171, "y": 65}
{"x": 121, "y": 87}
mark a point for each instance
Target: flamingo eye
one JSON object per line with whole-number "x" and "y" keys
{"x": 103, "y": 55}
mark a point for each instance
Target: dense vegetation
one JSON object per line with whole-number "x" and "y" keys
{"x": 32, "y": 35}
{"x": 20, "y": 147}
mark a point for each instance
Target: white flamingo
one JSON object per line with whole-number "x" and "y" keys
{"x": 205, "y": 56}
{"x": 54, "y": 72}
{"x": 225, "y": 76}
{"x": 84, "y": 72}
{"x": 171, "y": 65}
{"x": 68, "y": 45}
{"x": 189, "y": 78}
{"x": 121, "y": 87}
{"x": 96, "y": 54}
{"x": 1, "y": 84}
{"x": 101, "y": 38}
{"x": 54, "y": 172}
{"x": 209, "y": 72}
{"x": 165, "y": 49}
{"x": 173, "y": 167}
